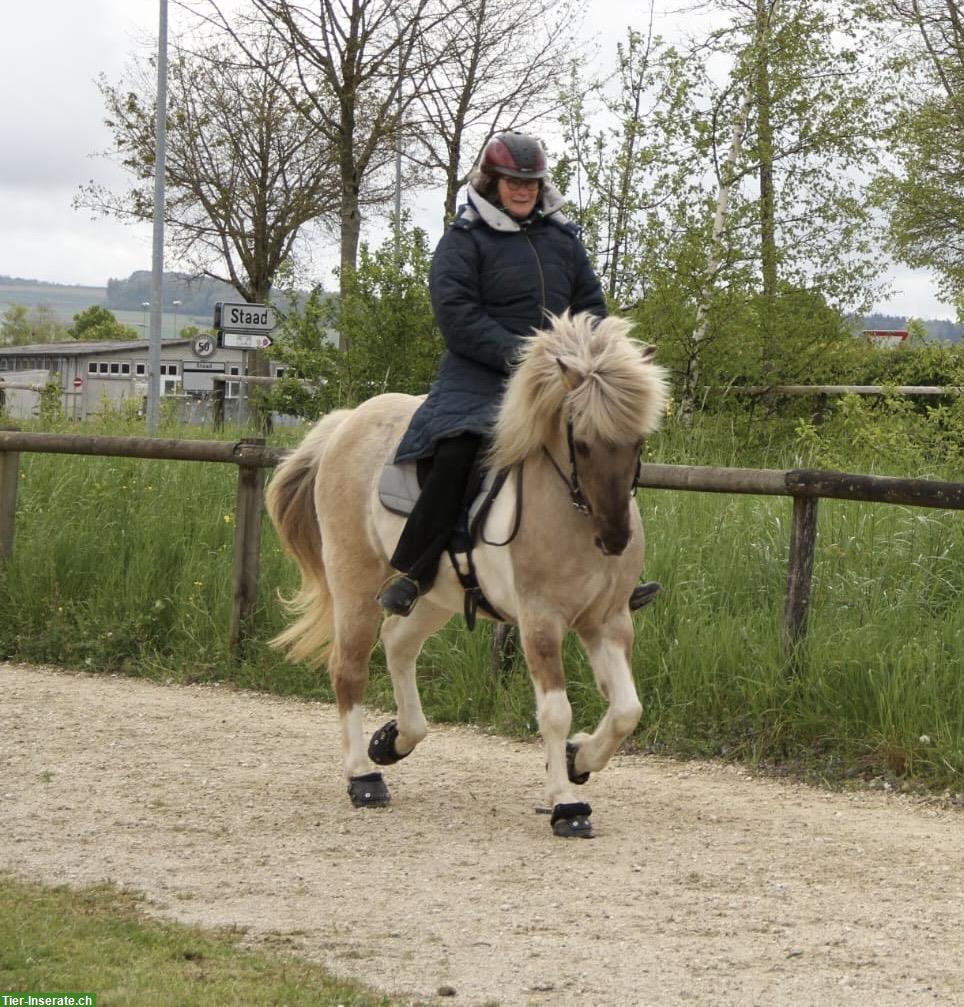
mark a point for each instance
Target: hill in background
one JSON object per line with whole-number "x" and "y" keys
{"x": 197, "y": 297}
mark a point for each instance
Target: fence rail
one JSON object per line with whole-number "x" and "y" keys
{"x": 932, "y": 390}
{"x": 804, "y": 486}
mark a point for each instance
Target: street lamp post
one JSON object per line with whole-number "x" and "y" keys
{"x": 175, "y": 303}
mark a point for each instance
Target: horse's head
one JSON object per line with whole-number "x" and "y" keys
{"x": 586, "y": 386}
{"x": 602, "y": 478}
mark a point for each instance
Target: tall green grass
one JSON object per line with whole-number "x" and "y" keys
{"x": 125, "y": 565}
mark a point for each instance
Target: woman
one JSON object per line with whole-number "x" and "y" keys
{"x": 509, "y": 260}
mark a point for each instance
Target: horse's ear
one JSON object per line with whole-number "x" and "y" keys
{"x": 572, "y": 374}
{"x": 648, "y": 353}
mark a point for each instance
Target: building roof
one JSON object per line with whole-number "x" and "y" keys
{"x": 79, "y": 348}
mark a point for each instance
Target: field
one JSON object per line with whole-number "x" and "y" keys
{"x": 67, "y": 301}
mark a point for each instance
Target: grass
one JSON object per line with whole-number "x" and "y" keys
{"x": 98, "y": 940}
{"x": 125, "y": 565}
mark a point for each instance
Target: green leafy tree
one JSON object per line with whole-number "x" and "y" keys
{"x": 384, "y": 318}
{"x": 727, "y": 190}
{"x": 21, "y": 326}
{"x": 922, "y": 188}
{"x": 98, "y": 324}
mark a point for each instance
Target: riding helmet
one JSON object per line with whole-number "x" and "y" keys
{"x": 515, "y": 155}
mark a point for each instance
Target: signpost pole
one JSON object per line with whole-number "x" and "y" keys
{"x": 157, "y": 270}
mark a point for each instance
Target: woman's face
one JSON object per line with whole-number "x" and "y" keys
{"x": 518, "y": 195}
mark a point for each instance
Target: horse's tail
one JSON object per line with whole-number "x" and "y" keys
{"x": 290, "y": 500}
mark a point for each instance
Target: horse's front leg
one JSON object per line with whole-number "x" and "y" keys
{"x": 610, "y": 649}
{"x": 542, "y": 643}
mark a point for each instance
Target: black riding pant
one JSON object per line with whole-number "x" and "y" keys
{"x": 449, "y": 479}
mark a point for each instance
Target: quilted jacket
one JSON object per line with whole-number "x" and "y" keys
{"x": 493, "y": 280}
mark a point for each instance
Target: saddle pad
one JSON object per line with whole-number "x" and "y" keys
{"x": 398, "y": 490}
{"x": 398, "y": 487}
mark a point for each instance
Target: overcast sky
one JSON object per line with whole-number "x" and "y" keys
{"x": 51, "y": 127}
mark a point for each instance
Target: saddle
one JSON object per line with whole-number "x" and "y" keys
{"x": 398, "y": 490}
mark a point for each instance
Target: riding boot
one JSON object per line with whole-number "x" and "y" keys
{"x": 643, "y": 594}
{"x": 399, "y": 596}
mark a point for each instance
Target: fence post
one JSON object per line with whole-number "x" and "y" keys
{"x": 9, "y": 468}
{"x": 217, "y": 408}
{"x": 505, "y": 645}
{"x": 803, "y": 538}
{"x": 247, "y": 549}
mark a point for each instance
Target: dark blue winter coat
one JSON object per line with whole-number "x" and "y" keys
{"x": 492, "y": 281}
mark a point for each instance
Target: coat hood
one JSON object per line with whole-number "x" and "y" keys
{"x": 479, "y": 208}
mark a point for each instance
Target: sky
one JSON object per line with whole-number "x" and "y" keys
{"x": 51, "y": 131}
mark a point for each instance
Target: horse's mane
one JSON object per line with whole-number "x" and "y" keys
{"x": 588, "y": 369}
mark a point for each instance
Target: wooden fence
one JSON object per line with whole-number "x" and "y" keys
{"x": 932, "y": 391}
{"x": 251, "y": 456}
{"x": 804, "y": 486}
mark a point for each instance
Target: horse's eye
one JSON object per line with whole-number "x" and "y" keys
{"x": 582, "y": 448}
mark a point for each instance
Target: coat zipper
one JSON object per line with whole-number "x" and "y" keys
{"x": 542, "y": 282}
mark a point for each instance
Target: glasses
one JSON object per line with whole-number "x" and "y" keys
{"x": 521, "y": 183}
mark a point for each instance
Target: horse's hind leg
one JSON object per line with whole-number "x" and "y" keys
{"x": 403, "y": 639}
{"x": 355, "y": 631}
{"x": 610, "y": 650}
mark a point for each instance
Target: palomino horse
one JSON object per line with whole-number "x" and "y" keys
{"x": 581, "y": 399}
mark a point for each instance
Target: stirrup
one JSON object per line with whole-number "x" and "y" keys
{"x": 400, "y": 596}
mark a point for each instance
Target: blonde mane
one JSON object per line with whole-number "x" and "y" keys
{"x": 586, "y": 369}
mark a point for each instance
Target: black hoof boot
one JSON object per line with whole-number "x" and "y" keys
{"x": 368, "y": 791}
{"x": 400, "y": 596}
{"x": 381, "y": 749}
{"x": 643, "y": 594}
{"x": 572, "y": 750}
{"x": 571, "y": 821}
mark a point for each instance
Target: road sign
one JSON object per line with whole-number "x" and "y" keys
{"x": 78, "y": 382}
{"x": 203, "y": 346}
{"x": 245, "y": 341}
{"x": 241, "y": 317}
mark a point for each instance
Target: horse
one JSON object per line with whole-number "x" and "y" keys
{"x": 561, "y": 550}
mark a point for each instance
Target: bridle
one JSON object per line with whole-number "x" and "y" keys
{"x": 576, "y": 496}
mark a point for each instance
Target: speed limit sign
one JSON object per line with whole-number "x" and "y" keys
{"x": 203, "y": 346}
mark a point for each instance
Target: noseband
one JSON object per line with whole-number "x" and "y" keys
{"x": 576, "y": 496}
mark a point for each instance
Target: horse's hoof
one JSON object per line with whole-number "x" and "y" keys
{"x": 381, "y": 749}
{"x": 368, "y": 791}
{"x": 571, "y": 821}
{"x": 578, "y": 778}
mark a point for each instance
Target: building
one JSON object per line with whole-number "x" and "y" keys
{"x": 92, "y": 375}
{"x": 886, "y": 339}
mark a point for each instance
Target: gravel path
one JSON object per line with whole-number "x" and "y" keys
{"x": 703, "y": 887}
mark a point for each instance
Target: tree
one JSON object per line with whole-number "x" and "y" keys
{"x": 21, "y": 326}
{"x": 391, "y": 341}
{"x": 349, "y": 61}
{"x": 922, "y": 190}
{"x": 753, "y": 175}
{"x": 619, "y": 177}
{"x": 244, "y": 178}
{"x": 492, "y": 65}
{"x": 97, "y": 324}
